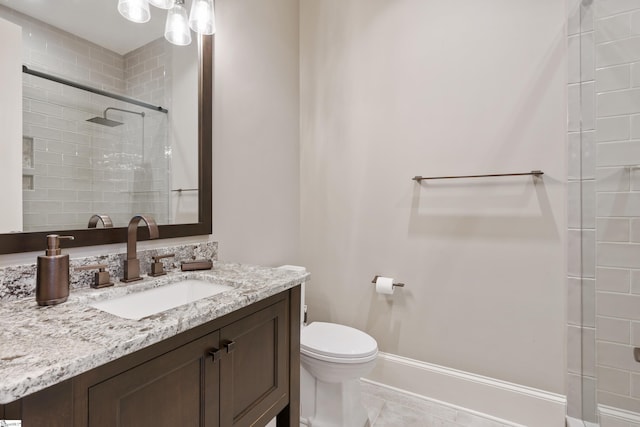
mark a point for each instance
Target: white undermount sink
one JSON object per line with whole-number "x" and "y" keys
{"x": 141, "y": 304}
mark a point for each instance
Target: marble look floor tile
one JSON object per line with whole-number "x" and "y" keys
{"x": 391, "y": 408}
{"x": 373, "y": 405}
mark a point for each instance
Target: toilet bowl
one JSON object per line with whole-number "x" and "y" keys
{"x": 333, "y": 358}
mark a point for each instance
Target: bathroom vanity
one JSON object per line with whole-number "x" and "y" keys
{"x": 227, "y": 360}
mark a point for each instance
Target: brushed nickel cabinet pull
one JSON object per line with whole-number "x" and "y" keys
{"x": 215, "y": 354}
{"x": 230, "y": 346}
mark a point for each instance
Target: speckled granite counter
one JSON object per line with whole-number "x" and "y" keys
{"x": 42, "y": 346}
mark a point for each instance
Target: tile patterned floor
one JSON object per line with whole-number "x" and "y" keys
{"x": 391, "y": 408}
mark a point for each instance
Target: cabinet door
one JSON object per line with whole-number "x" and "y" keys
{"x": 179, "y": 388}
{"x": 254, "y": 370}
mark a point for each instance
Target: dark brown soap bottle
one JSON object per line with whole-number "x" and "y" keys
{"x": 52, "y": 274}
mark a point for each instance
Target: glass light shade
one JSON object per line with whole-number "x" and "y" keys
{"x": 162, "y": 4}
{"x": 134, "y": 10}
{"x": 202, "y": 17}
{"x": 176, "y": 30}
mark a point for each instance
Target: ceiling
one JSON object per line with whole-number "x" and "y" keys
{"x": 95, "y": 20}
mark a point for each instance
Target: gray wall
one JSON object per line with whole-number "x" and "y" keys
{"x": 393, "y": 89}
{"x": 255, "y": 143}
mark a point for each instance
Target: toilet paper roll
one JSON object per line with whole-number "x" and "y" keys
{"x": 384, "y": 285}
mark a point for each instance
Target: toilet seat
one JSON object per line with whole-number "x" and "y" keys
{"x": 336, "y": 343}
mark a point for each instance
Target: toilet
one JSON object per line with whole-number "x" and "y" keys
{"x": 333, "y": 357}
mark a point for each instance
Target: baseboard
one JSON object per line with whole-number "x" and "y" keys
{"x": 495, "y": 398}
{"x": 618, "y": 414}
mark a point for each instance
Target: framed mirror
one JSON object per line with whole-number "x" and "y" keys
{"x": 97, "y": 145}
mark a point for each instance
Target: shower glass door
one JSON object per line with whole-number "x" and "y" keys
{"x": 608, "y": 96}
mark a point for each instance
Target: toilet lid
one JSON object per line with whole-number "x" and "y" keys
{"x": 336, "y": 341}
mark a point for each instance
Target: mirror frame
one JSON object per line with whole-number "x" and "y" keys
{"x": 36, "y": 241}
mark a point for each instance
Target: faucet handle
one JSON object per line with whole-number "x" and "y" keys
{"x": 101, "y": 279}
{"x": 157, "y": 269}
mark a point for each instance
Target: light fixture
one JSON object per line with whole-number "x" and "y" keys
{"x": 134, "y": 10}
{"x": 162, "y": 4}
{"x": 202, "y": 17}
{"x": 176, "y": 29}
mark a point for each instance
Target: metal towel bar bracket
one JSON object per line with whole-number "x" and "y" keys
{"x": 535, "y": 173}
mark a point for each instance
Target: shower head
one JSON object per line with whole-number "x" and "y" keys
{"x": 104, "y": 121}
{"x": 112, "y": 123}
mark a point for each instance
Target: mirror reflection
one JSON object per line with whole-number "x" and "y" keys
{"x": 108, "y": 129}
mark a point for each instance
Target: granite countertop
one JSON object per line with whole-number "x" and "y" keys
{"x": 42, "y": 346}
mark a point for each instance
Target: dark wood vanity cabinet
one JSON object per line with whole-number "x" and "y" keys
{"x": 179, "y": 388}
{"x": 239, "y": 370}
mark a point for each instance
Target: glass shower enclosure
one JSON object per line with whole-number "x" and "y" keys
{"x": 604, "y": 212}
{"x": 88, "y": 151}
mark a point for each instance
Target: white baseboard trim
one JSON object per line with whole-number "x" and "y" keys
{"x": 619, "y": 414}
{"x": 494, "y": 398}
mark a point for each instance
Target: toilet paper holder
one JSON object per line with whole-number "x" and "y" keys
{"x": 399, "y": 285}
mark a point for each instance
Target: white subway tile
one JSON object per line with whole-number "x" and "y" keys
{"x": 605, "y": 8}
{"x": 574, "y": 209}
{"x": 587, "y": 56}
{"x": 634, "y": 172}
{"x": 588, "y": 106}
{"x": 573, "y": 107}
{"x": 618, "y": 204}
{"x": 614, "y": 380}
{"x": 574, "y": 395}
{"x": 613, "y": 129}
{"x": 623, "y": 255}
{"x": 617, "y": 356}
{"x": 589, "y": 302}
{"x": 635, "y": 282}
{"x": 635, "y": 74}
{"x": 635, "y": 385}
{"x": 588, "y": 155}
{"x": 588, "y": 351}
{"x": 574, "y": 148}
{"x": 574, "y": 301}
{"x": 613, "y": 330}
{"x": 635, "y": 333}
{"x": 613, "y": 28}
{"x": 588, "y": 204}
{"x": 574, "y": 349}
{"x": 574, "y": 262}
{"x": 42, "y": 157}
{"x": 618, "y": 153}
{"x": 619, "y": 102}
{"x": 588, "y": 253}
{"x": 618, "y": 305}
{"x": 613, "y": 179}
{"x": 635, "y": 21}
{"x": 618, "y": 401}
{"x": 613, "y": 229}
{"x": 613, "y": 78}
{"x": 617, "y": 52}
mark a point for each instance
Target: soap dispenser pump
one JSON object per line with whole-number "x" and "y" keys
{"x": 52, "y": 274}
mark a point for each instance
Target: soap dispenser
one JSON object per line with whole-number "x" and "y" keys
{"x": 52, "y": 274}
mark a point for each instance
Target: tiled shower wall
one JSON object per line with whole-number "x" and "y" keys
{"x": 608, "y": 112}
{"x": 581, "y": 381}
{"x": 80, "y": 168}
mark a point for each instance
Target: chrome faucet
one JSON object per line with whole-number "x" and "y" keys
{"x": 132, "y": 263}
